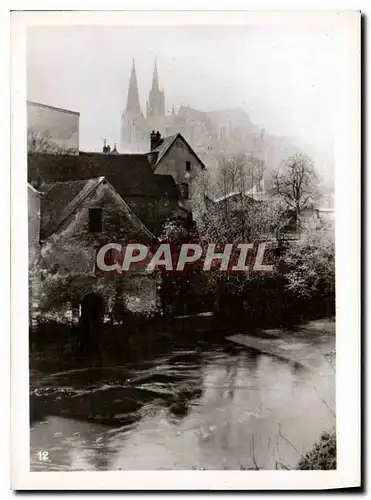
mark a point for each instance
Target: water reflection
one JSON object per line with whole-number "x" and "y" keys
{"x": 213, "y": 407}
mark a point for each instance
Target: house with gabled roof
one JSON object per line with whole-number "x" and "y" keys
{"x": 174, "y": 156}
{"x": 77, "y": 218}
{"x": 154, "y": 197}
{"x": 90, "y": 199}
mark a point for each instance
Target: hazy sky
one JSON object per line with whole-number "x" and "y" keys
{"x": 283, "y": 77}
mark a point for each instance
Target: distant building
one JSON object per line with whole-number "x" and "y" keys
{"x": 211, "y": 134}
{"x": 51, "y": 129}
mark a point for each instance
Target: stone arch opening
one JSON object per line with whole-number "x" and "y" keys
{"x": 91, "y": 318}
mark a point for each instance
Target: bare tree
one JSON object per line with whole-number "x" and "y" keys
{"x": 296, "y": 183}
{"x": 238, "y": 173}
{"x": 42, "y": 143}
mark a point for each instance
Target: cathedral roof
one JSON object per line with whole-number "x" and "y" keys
{"x": 237, "y": 117}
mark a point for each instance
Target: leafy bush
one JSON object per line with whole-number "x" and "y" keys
{"x": 322, "y": 456}
{"x": 309, "y": 265}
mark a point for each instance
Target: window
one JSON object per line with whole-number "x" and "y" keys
{"x": 184, "y": 191}
{"x": 188, "y": 166}
{"x": 95, "y": 220}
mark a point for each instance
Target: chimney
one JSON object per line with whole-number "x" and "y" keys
{"x": 155, "y": 139}
{"x": 106, "y": 148}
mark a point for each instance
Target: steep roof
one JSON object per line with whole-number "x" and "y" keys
{"x": 165, "y": 145}
{"x": 61, "y": 199}
{"x": 131, "y": 175}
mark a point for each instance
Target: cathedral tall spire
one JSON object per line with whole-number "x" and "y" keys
{"x": 132, "y": 103}
{"x": 155, "y": 78}
{"x": 156, "y": 100}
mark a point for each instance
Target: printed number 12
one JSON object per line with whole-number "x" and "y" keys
{"x": 43, "y": 455}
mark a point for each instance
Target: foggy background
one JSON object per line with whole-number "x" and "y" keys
{"x": 283, "y": 77}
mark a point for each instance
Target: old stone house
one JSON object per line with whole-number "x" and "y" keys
{"x": 156, "y": 186}
{"x": 131, "y": 198}
{"x": 77, "y": 219}
{"x": 174, "y": 156}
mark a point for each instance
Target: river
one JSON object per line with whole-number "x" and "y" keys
{"x": 210, "y": 405}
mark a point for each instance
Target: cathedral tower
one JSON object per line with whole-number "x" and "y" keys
{"x": 132, "y": 117}
{"x": 156, "y": 101}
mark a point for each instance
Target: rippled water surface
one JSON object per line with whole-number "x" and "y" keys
{"x": 212, "y": 405}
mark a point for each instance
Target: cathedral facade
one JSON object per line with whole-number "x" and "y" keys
{"x": 206, "y": 132}
{"x": 212, "y": 134}
{"x": 135, "y": 126}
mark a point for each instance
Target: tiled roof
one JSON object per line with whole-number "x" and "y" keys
{"x": 164, "y": 145}
{"x": 131, "y": 175}
{"x": 60, "y": 199}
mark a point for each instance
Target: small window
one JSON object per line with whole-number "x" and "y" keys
{"x": 188, "y": 166}
{"x": 184, "y": 191}
{"x": 95, "y": 220}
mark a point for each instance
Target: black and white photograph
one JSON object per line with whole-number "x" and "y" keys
{"x": 182, "y": 182}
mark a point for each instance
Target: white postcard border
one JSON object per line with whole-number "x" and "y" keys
{"x": 347, "y": 178}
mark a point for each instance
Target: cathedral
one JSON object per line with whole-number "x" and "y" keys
{"x": 135, "y": 127}
{"x": 212, "y": 134}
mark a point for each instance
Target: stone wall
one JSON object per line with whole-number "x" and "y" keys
{"x": 69, "y": 257}
{"x": 174, "y": 163}
{"x": 155, "y": 212}
{"x": 58, "y": 126}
